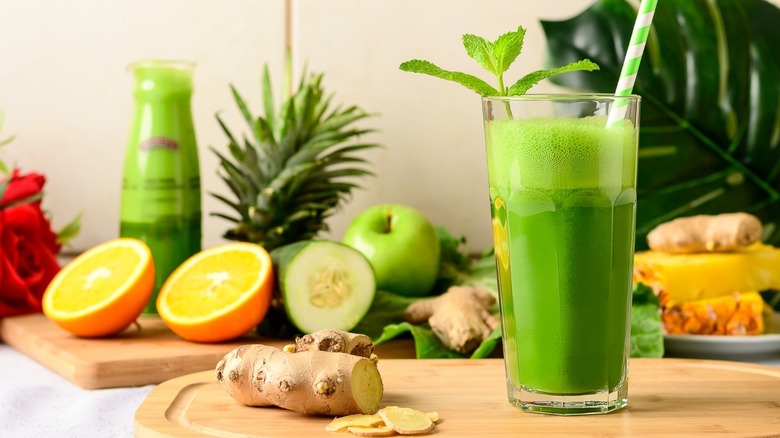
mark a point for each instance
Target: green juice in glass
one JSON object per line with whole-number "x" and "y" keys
{"x": 563, "y": 204}
{"x": 161, "y": 196}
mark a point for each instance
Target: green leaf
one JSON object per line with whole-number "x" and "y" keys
{"x": 426, "y": 344}
{"x": 268, "y": 103}
{"x": 488, "y": 345}
{"x": 526, "y": 82}
{"x": 647, "y": 339}
{"x": 710, "y": 131}
{"x": 226, "y": 217}
{"x": 772, "y": 298}
{"x": 27, "y": 200}
{"x": 387, "y": 308}
{"x": 507, "y": 48}
{"x": 467, "y": 80}
{"x": 482, "y": 273}
{"x": 69, "y": 231}
{"x": 644, "y": 295}
{"x": 242, "y": 106}
{"x": 3, "y": 186}
{"x": 454, "y": 261}
{"x": 7, "y": 140}
{"x": 481, "y": 50}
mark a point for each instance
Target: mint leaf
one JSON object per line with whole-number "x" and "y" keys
{"x": 480, "y": 50}
{"x": 495, "y": 57}
{"x": 526, "y": 82}
{"x": 507, "y": 48}
{"x": 467, "y": 80}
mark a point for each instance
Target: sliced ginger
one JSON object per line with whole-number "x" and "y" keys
{"x": 381, "y": 430}
{"x": 406, "y": 421}
{"x": 356, "y": 420}
{"x": 387, "y": 422}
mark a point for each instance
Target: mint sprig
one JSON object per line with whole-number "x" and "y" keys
{"x": 495, "y": 57}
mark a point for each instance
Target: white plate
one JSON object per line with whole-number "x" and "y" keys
{"x": 726, "y": 347}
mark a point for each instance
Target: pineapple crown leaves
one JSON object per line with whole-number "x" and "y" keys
{"x": 295, "y": 167}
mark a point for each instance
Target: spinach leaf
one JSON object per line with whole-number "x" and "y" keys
{"x": 647, "y": 339}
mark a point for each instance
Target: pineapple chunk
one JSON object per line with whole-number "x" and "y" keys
{"x": 681, "y": 278}
{"x": 736, "y": 314}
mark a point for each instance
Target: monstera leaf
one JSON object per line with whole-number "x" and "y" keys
{"x": 710, "y": 117}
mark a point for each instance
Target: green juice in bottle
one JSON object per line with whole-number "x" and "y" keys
{"x": 161, "y": 200}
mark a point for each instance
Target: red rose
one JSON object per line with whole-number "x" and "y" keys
{"x": 28, "y": 247}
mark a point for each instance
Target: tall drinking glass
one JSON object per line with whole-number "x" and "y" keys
{"x": 563, "y": 203}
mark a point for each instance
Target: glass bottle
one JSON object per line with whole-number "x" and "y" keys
{"x": 161, "y": 198}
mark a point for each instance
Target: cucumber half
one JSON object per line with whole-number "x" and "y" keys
{"x": 324, "y": 284}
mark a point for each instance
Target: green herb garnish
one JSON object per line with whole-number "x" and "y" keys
{"x": 495, "y": 57}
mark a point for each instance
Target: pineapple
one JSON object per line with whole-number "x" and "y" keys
{"x": 295, "y": 170}
{"x": 713, "y": 293}
{"x": 735, "y": 314}
{"x": 689, "y": 277}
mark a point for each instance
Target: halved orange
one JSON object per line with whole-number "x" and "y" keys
{"x": 218, "y": 294}
{"x": 102, "y": 291}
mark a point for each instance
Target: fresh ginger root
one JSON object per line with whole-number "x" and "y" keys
{"x": 697, "y": 234}
{"x": 461, "y": 317}
{"x": 309, "y": 382}
{"x": 333, "y": 340}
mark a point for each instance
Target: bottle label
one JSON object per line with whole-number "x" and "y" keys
{"x": 159, "y": 142}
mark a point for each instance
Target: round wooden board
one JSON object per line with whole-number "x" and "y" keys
{"x": 667, "y": 397}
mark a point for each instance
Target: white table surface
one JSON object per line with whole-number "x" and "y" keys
{"x": 36, "y": 402}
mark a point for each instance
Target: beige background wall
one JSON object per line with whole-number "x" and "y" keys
{"x": 67, "y": 95}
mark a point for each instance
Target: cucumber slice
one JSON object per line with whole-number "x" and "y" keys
{"x": 324, "y": 284}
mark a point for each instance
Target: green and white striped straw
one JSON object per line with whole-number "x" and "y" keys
{"x": 636, "y": 47}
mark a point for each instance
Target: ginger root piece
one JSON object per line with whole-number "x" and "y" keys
{"x": 310, "y": 382}
{"x": 333, "y": 340}
{"x": 406, "y": 421}
{"x": 357, "y": 420}
{"x": 461, "y": 317}
{"x": 699, "y": 234}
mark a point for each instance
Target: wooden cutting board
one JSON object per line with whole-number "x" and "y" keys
{"x": 142, "y": 355}
{"x": 667, "y": 397}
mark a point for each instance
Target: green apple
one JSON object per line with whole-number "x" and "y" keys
{"x": 402, "y": 246}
